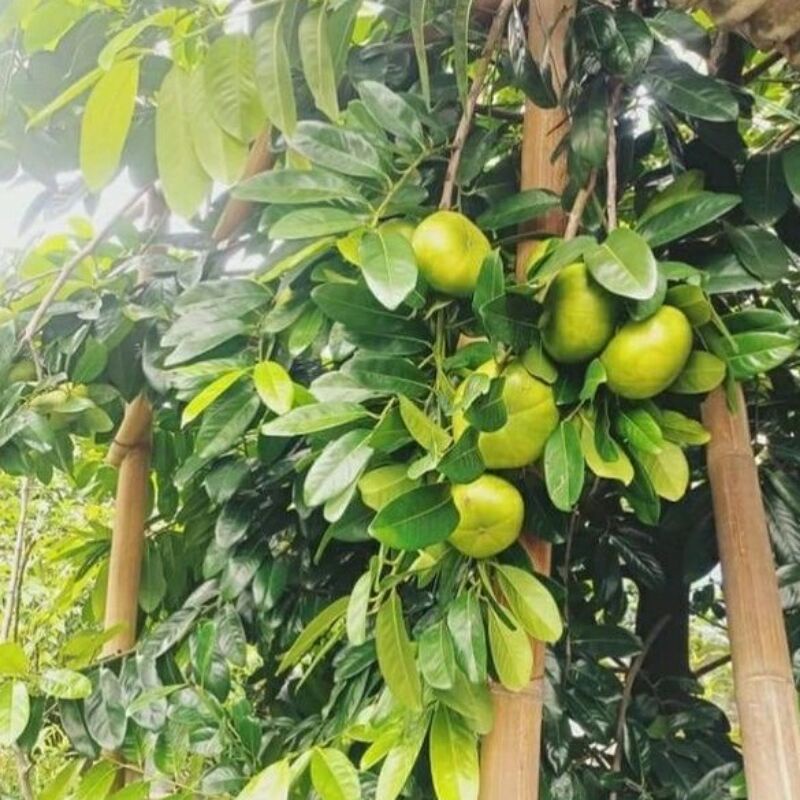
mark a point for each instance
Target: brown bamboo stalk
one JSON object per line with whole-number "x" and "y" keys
{"x": 762, "y": 672}
{"x": 511, "y": 753}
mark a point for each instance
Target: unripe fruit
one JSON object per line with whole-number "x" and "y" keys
{"x": 579, "y": 316}
{"x": 531, "y": 416}
{"x": 491, "y": 513}
{"x": 645, "y": 357}
{"x": 450, "y": 251}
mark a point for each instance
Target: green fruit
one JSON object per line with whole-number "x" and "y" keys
{"x": 531, "y": 417}
{"x": 491, "y": 512}
{"x": 22, "y": 371}
{"x": 382, "y": 485}
{"x": 645, "y": 357}
{"x": 450, "y": 251}
{"x": 579, "y": 316}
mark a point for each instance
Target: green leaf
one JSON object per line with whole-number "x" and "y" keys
{"x": 761, "y": 252}
{"x": 563, "y": 466}
{"x": 417, "y": 18}
{"x": 487, "y": 410}
{"x": 463, "y": 463}
{"x": 274, "y": 386}
{"x": 117, "y": 43}
{"x": 631, "y": 48}
{"x": 313, "y": 418}
{"x": 232, "y": 523}
{"x": 400, "y": 762}
{"x": 692, "y": 301}
{"x": 338, "y": 466}
{"x": 757, "y": 352}
{"x": 92, "y": 362}
{"x": 639, "y": 428}
{"x": 72, "y": 92}
{"x": 685, "y": 216}
{"x": 153, "y": 584}
{"x": 97, "y": 783}
{"x": 461, "y": 16}
{"x": 230, "y": 83}
{"x": 472, "y": 701}
{"x": 317, "y": 59}
{"x": 667, "y": 470}
{"x": 594, "y": 378}
{"x": 226, "y": 421}
{"x": 391, "y": 111}
{"x": 208, "y": 395}
{"x": 511, "y": 652}
{"x": 518, "y": 208}
{"x": 388, "y": 375}
{"x": 338, "y": 149}
{"x": 437, "y": 656}
{"x": 528, "y": 76}
{"x": 13, "y": 661}
{"x": 588, "y": 137}
{"x": 296, "y": 187}
{"x": 183, "y": 179}
{"x": 357, "y": 610}
{"x": 274, "y": 73}
{"x": 106, "y": 122}
{"x": 333, "y": 775}
{"x": 63, "y": 782}
{"x": 322, "y": 221}
{"x": 396, "y": 654}
{"x": 791, "y": 169}
{"x": 416, "y": 519}
{"x": 679, "y": 86}
{"x": 272, "y": 782}
{"x": 619, "y": 469}
{"x": 465, "y": 623}
{"x": 624, "y": 264}
{"x": 530, "y": 602}
{"x": 681, "y": 429}
{"x": 702, "y": 373}
{"x": 314, "y": 631}
{"x": 454, "y": 757}
{"x": 423, "y": 429}
{"x": 65, "y": 684}
{"x": 105, "y": 715}
{"x": 389, "y": 267}
{"x": 765, "y": 195}
{"x": 14, "y": 711}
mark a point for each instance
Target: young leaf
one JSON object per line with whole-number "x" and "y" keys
{"x": 511, "y": 652}
{"x": 702, "y": 373}
{"x": 531, "y": 603}
{"x": 625, "y": 265}
{"x": 563, "y": 466}
{"x": 668, "y": 471}
{"x": 274, "y": 386}
{"x": 619, "y": 469}
{"x": 465, "y": 623}
{"x": 272, "y": 782}
{"x": 396, "y": 654}
{"x": 389, "y": 267}
{"x": 13, "y": 661}
{"x": 400, "y": 761}
{"x": 206, "y": 396}
{"x": 14, "y": 711}
{"x": 314, "y": 631}
{"x": 314, "y": 418}
{"x": 357, "y": 608}
{"x": 437, "y": 656}
{"x": 317, "y": 59}
{"x": 425, "y": 431}
{"x": 333, "y": 775}
{"x": 454, "y": 757}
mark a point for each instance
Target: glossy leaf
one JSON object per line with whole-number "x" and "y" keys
{"x": 563, "y": 466}
{"x": 318, "y": 67}
{"x": 668, "y": 471}
{"x": 765, "y": 195}
{"x": 624, "y": 264}
{"x": 454, "y": 757}
{"x": 511, "y": 652}
{"x": 531, "y": 603}
{"x": 313, "y": 632}
{"x": 389, "y": 267}
{"x": 274, "y": 386}
{"x": 272, "y": 782}
{"x": 416, "y": 519}
{"x": 14, "y": 711}
{"x": 762, "y": 252}
{"x": 396, "y": 654}
{"x": 338, "y": 466}
{"x": 338, "y": 149}
{"x": 702, "y": 373}
{"x": 333, "y": 775}
{"x": 518, "y": 208}
{"x": 437, "y": 656}
{"x": 296, "y": 187}
{"x": 274, "y": 75}
{"x": 313, "y": 418}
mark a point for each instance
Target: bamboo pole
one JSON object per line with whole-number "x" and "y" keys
{"x": 511, "y": 752}
{"x": 762, "y": 672}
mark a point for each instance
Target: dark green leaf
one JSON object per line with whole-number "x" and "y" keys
{"x": 765, "y": 194}
{"x": 463, "y": 463}
{"x": 624, "y": 264}
{"x": 761, "y": 252}
{"x": 518, "y": 208}
{"x": 338, "y": 149}
{"x": 685, "y": 216}
{"x": 563, "y": 466}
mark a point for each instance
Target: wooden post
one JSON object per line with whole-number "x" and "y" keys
{"x": 511, "y": 753}
{"x": 762, "y": 672}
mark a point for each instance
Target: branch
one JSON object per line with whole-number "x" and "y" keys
{"x": 18, "y": 563}
{"x": 611, "y": 158}
{"x": 492, "y": 40}
{"x": 761, "y": 67}
{"x": 579, "y": 206}
{"x": 710, "y": 666}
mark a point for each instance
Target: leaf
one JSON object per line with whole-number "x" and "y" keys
{"x": 274, "y": 74}
{"x": 425, "y": 431}
{"x": 106, "y": 122}
{"x": 357, "y": 609}
{"x": 454, "y": 757}
{"x": 487, "y": 412}
{"x": 692, "y": 301}
{"x": 400, "y": 762}
{"x": 183, "y": 179}
{"x": 208, "y": 395}
{"x": 791, "y": 169}
{"x": 702, "y": 373}
{"x": 437, "y": 656}
{"x": 416, "y": 519}
{"x": 624, "y": 264}
{"x": 588, "y": 137}
{"x": 63, "y": 782}
{"x": 761, "y": 252}
{"x": 563, "y": 466}
{"x": 391, "y": 111}
{"x": 272, "y": 782}
{"x": 595, "y": 377}
{"x": 274, "y": 386}
{"x": 97, "y": 782}
{"x": 765, "y": 194}
{"x": 317, "y": 59}
{"x": 333, "y": 775}
{"x": 230, "y": 84}
{"x": 511, "y": 652}
{"x": 387, "y": 375}
{"x": 417, "y": 19}
{"x": 65, "y": 684}
{"x": 679, "y": 86}
{"x": 533, "y": 79}
{"x": 619, "y": 469}
{"x": 14, "y": 711}
{"x": 322, "y": 221}
{"x": 232, "y": 523}
{"x": 13, "y": 661}
{"x": 338, "y": 466}
{"x": 755, "y": 353}
{"x": 668, "y": 471}
{"x": 314, "y": 631}
{"x": 396, "y": 654}
{"x": 681, "y": 429}
{"x": 518, "y": 208}
{"x": 338, "y": 149}
{"x": 225, "y": 422}
{"x": 530, "y": 602}
{"x": 472, "y": 701}
{"x": 632, "y": 47}
{"x": 117, "y": 43}
{"x": 640, "y": 429}
{"x": 465, "y": 623}
{"x": 296, "y": 187}
{"x": 389, "y": 267}
{"x": 463, "y": 463}
{"x": 153, "y": 584}
{"x": 314, "y": 418}
{"x": 685, "y": 216}
{"x": 461, "y": 16}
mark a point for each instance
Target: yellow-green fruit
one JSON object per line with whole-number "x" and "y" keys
{"x": 531, "y": 416}
{"x": 645, "y": 357}
{"x": 491, "y": 513}
{"x": 22, "y": 371}
{"x": 579, "y": 315}
{"x": 450, "y": 250}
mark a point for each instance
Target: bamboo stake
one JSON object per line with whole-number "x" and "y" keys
{"x": 762, "y": 672}
{"x": 511, "y": 752}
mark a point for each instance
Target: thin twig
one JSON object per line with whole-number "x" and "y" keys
{"x": 611, "y": 158}
{"x": 464, "y": 125}
{"x": 710, "y": 666}
{"x": 761, "y": 67}
{"x": 627, "y": 693}
{"x": 66, "y": 271}
{"x": 579, "y": 206}
{"x": 18, "y": 563}
{"x": 24, "y": 774}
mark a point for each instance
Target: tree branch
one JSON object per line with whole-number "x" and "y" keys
{"x": 710, "y": 666}
{"x": 579, "y": 206}
{"x": 492, "y": 40}
{"x": 611, "y": 158}
{"x": 18, "y": 563}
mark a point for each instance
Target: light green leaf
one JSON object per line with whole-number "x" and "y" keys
{"x": 65, "y": 684}
{"x": 425, "y": 431}
{"x": 63, "y": 782}
{"x": 337, "y": 467}
{"x": 563, "y": 466}
{"x": 296, "y": 187}
{"x": 668, "y": 471}
{"x": 274, "y": 386}
{"x": 757, "y": 352}
{"x": 624, "y": 264}
{"x": 389, "y": 267}
{"x": 72, "y": 92}
{"x": 206, "y": 396}
{"x": 681, "y": 429}
{"x": 400, "y": 762}
{"x": 620, "y": 470}
{"x": 465, "y": 623}
{"x": 338, "y": 149}
{"x": 116, "y": 44}
{"x": 106, "y": 122}
{"x": 396, "y": 654}
{"x": 305, "y": 223}
{"x": 511, "y": 652}
{"x": 317, "y": 59}
{"x": 437, "y": 658}
{"x": 530, "y": 603}
{"x": 333, "y": 775}
{"x": 454, "y": 757}
{"x": 357, "y": 609}
{"x": 391, "y": 111}
{"x": 14, "y": 711}
{"x": 97, "y": 783}
{"x": 314, "y": 631}
{"x": 416, "y": 519}
{"x": 702, "y": 373}
{"x": 274, "y": 74}
{"x": 417, "y": 17}
{"x": 13, "y": 661}
{"x": 313, "y": 418}
{"x": 272, "y": 783}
